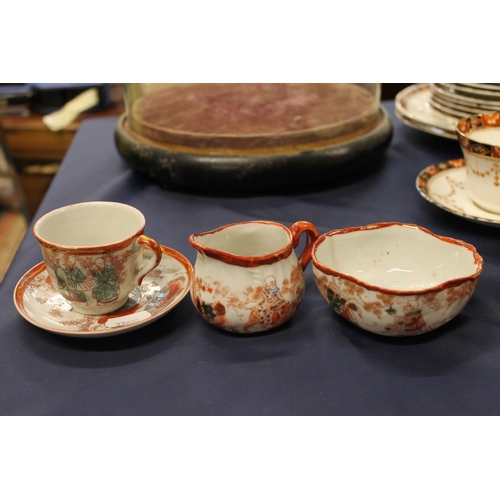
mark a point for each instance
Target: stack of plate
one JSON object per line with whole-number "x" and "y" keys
{"x": 463, "y": 99}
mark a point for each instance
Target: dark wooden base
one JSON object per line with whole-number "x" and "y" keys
{"x": 174, "y": 169}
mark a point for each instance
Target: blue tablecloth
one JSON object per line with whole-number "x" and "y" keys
{"x": 316, "y": 364}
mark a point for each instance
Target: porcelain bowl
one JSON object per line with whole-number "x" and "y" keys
{"x": 395, "y": 279}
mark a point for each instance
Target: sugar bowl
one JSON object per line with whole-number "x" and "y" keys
{"x": 395, "y": 279}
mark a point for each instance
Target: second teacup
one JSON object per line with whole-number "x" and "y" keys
{"x": 94, "y": 253}
{"x": 479, "y": 137}
{"x": 247, "y": 277}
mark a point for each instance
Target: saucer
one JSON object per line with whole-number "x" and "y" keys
{"x": 37, "y": 300}
{"x": 413, "y": 107}
{"x": 443, "y": 185}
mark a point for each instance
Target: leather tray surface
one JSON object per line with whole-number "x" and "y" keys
{"x": 251, "y": 116}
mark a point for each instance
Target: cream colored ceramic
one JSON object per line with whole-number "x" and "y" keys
{"x": 247, "y": 277}
{"x": 395, "y": 279}
{"x": 479, "y": 137}
{"x": 94, "y": 253}
{"x": 413, "y": 107}
{"x": 38, "y": 301}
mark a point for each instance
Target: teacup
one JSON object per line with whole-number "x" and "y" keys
{"x": 247, "y": 277}
{"x": 395, "y": 279}
{"x": 93, "y": 252}
{"x": 479, "y": 137}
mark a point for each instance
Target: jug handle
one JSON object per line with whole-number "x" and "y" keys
{"x": 312, "y": 235}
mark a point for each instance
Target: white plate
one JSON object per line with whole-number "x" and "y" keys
{"x": 413, "y": 108}
{"x": 451, "y": 107}
{"x": 443, "y": 185}
{"x": 465, "y": 90}
{"x": 441, "y": 90}
{"x": 492, "y": 87}
{"x": 37, "y": 300}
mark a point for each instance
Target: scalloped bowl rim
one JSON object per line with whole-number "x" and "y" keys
{"x": 462, "y": 250}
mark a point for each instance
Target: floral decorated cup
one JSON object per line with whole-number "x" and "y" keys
{"x": 479, "y": 137}
{"x": 94, "y": 253}
{"x": 395, "y": 279}
{"x": 247, "y": 277}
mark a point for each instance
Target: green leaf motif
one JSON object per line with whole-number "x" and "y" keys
{"x": 336, "y": 303}
{"x": 81, "y": 296}
{"x": 109, "y": 275}
{"x": 208, "y": 310}
{"x": 108, "y": 289}
{"x": 74, "y": 277}
{"x": 61, "y": 278}
{"x": 105, "y": 292}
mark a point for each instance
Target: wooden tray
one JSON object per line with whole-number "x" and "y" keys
{"x": 212, "y": 169}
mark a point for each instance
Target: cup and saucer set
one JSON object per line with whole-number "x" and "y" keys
{"x": 101, "y": 275}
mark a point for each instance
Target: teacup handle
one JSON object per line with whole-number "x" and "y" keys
{"x": 146, "y": 241}
{"x": 312, "y": 235}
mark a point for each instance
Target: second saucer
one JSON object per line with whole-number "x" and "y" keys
{"x": 443, "y": 185}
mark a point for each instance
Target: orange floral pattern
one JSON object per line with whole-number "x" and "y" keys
{"x": 394, "y": 314}
{"x": 256, "y": 308}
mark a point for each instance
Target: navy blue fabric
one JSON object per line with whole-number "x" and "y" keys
{"x": 317, "y": 364}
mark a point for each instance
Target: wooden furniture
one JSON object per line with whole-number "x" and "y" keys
{"x": 37, "y": 152}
